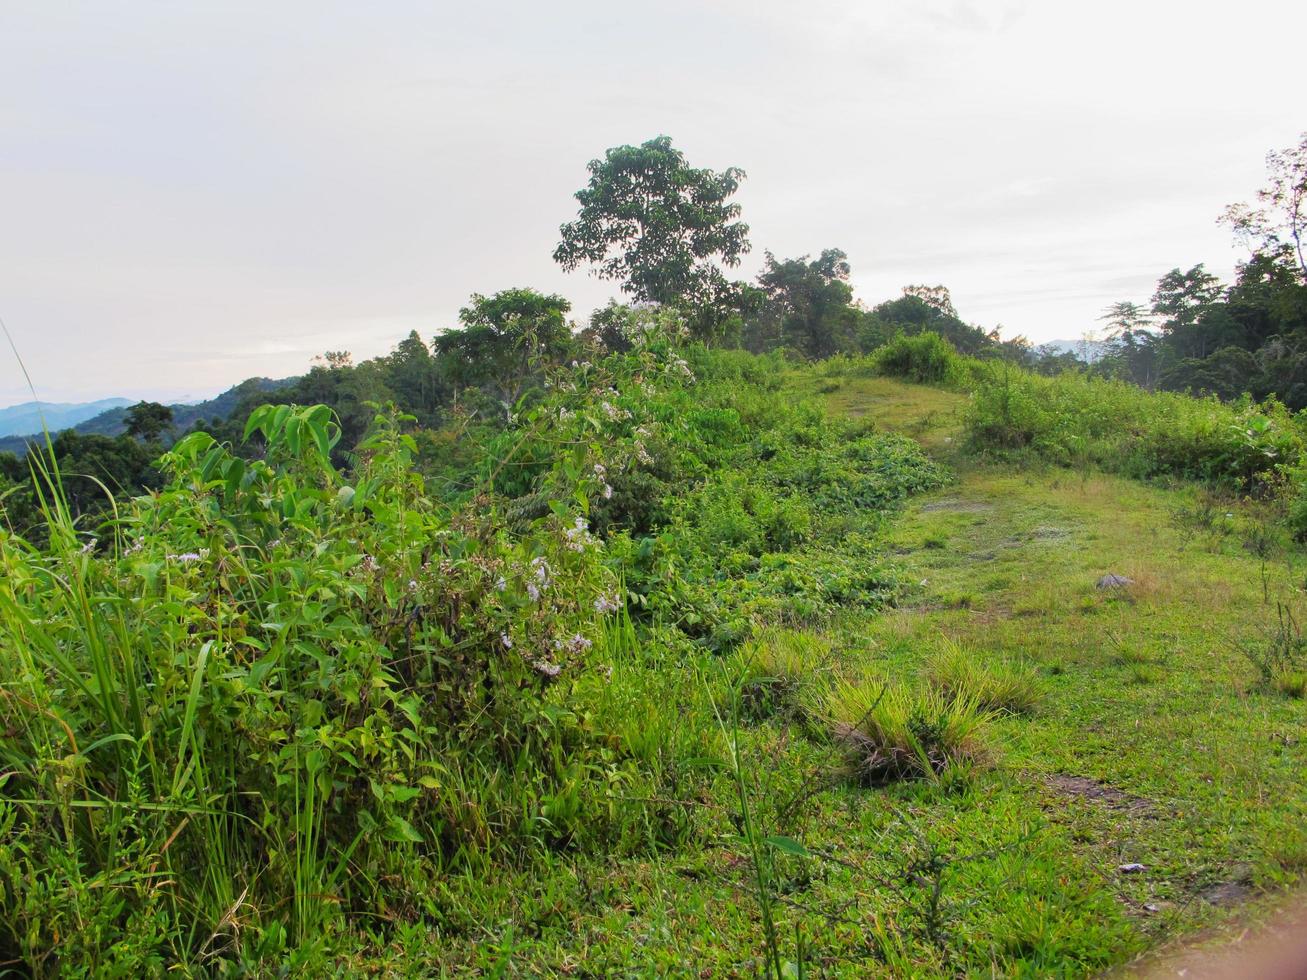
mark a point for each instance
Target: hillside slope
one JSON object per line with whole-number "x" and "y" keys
{"x": 710, "y": 664}
{"x": 110, "y": 419}
{"x": 1150, "y": 791}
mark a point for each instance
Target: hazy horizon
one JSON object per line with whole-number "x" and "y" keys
{"x": 196, "y": 196}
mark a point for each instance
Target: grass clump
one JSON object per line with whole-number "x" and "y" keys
{"x": 1281, "y": 659}
{"x": 892, "y": 732}
{"x": 777, "y": 668}
{"x": 996, "y": 685}
{"x": 1291, "y": 682}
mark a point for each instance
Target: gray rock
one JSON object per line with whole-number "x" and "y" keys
{"x": 1114, "y": 581}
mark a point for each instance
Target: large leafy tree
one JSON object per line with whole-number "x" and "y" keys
{"x": 931, "y": 308}
{"x": 662, "y": 228}
{"x": 1123, "y": 320}
{"x": 505, "y": 340}
{"x": 1132, "y": 348}
{"x": 148, "y": 421}
{"x": 811, "y": 301}
{"x": 415, "y": 379}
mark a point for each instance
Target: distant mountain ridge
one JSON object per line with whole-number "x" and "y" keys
{"x": 1086, "y": 350}
{"x": 112, "y": 421}
{"x": 29, "y": 417}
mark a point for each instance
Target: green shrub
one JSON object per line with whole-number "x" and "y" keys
{"x": 996, "y": 685}
{"x": 1074, "y": 419}
{"x": 926, "y": 358}
{"x": 892, "y": 732}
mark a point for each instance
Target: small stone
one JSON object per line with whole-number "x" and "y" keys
{"x": 1130, "y": 869}
{"x": 1114, "y": 581}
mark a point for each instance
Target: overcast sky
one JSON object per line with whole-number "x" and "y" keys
{"x": 194, "y": 193}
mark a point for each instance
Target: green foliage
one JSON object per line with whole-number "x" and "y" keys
{"x": 754, "y": 508}
{"x": 148, "y": 421}
{"x": 305, "y": 693}
{"x": 506, "y": 341}
{"x": 1280, "y": 658}
{"x": 92, "y": 469}
{"x": 810, "y": 303}
{"x": 1121, "y": 428}
{"x": 314, "y": 681}
{"x": 777, "y": 668}
{"x": 926, "y": 358}
{"x": 892, "y": 732}
{"x": 659, "y": 226}
{"x": 1297, "y": 504}
{"x": 996, "y": 685}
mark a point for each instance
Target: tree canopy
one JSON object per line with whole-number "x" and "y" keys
{"x": 504, "y": 341}
{"x": 148, "y": 421}
{"x": 661, "y": 227}
{"x": 811, "y": 301}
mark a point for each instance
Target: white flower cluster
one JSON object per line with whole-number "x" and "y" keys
{"x": 540, "y": 578}
{"x": 606, "y": 604}
{"x": 614, "y": 413}
{"x": 578, "y": 536}
{"x": 601, "y": 472}
{"x": 186, "y": 557}
{"x": 574, "y": 644}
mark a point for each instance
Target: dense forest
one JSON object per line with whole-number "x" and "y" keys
{"x": 533, "y": 644}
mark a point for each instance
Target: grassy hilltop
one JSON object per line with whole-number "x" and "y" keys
{"x": 747, "y": 631}
{"x": 703, "y": 663}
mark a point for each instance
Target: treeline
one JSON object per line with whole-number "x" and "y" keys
{"x": 668, "y": 234}
{"x": 1200, "y": 335}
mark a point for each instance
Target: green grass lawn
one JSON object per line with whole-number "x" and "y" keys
{"x": 1154, "y": 788}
